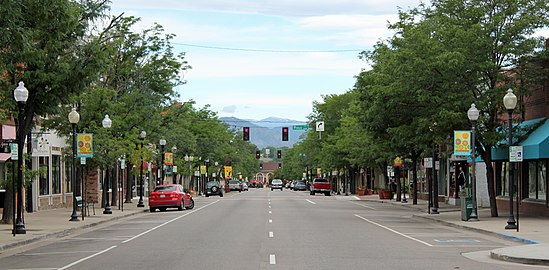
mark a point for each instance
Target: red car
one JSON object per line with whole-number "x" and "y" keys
{"x": 170, "y": 196}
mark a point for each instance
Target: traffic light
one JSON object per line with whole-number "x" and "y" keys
{"x": 261, "y": 166}
{"x": 279, "y": 154}
{"x": 257, "y": 154}
{"x": 279, "y": 165}
{"x": 246, "y": 133}
{"x": 285, "y": 133}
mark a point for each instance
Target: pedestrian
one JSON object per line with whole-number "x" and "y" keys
{"x": 393, "y": 186}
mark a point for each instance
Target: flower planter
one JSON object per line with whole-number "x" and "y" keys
{"x": 361, "y": 191}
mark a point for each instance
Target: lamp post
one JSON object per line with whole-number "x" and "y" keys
{"x": 107, "y": 123}
{"x": 142, "y": 136}
{"x": 21, "y": 94}
{"x": 74, "y": 117}
{"x": 472, "y": 114}
{"x": 162, "y": 143}
{"x": 510, "y": 101}
{"x": 189, "y": 160}
{"x": 174, "y": 149}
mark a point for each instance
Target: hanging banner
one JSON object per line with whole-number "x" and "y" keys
{"x": 398, "y": 162}
{"x": 462, "y": 142}
{"x": 84, "y": 145}
{"x": 228, "y": 172}
{"x": 168, "y": 158}
{"x": 202, "y": 169}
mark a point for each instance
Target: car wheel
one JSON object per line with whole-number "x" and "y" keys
{"x": 240, "y": 190}
{"x": 207, "y": 195}
{"x": 180, "y": 207}
{"x": 271, "y": 189}
{"x": 152, "y": 209}
{"x": 327, "y": 194}
{"x": 220, "y": 194}
{"x": 191, "y": 204}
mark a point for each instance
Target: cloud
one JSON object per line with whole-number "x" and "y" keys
{"x": 229, "y": 109}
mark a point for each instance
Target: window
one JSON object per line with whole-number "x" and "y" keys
{"x": 56, "y": 174}
{"x": 537, "y": 175}
{"x": 44, "y": 176}
{"x": 68, "y": 176}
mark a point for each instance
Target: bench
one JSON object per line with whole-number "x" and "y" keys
{"x": 79, "y": 203}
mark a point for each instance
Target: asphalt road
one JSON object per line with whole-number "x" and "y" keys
{"x": 264, "y": 229}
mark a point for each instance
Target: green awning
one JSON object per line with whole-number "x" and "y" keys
{"x": 535, "y": 140}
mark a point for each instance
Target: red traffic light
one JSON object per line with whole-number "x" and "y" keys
{"x": 246, "y": 133}
{"x": 285, "y": 133}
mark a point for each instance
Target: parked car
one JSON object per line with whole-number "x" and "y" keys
{"x": 276, "y": 184}
{"x": 170, "y": 196}
{"x": 213, "y": 188}
{"x": 235, "y": 185}
{"x": 300, "y": 185}
{"x": 245, "y": 186}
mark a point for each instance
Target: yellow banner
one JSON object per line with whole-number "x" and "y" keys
{"x": 84, "y": 145}
{"x": 228, "y": 172}
{"x": 202, "y": 169}
{"x": 168, "y": 158}
{"x": 462, "y": 142}
{"x": 398, "y": 162}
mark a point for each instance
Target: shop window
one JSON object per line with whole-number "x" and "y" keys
{"x": 537, "y": 177}
{"x": 44, "y": 175}
{"x": 68, "y": 176}
{"x": 56, "y": 174}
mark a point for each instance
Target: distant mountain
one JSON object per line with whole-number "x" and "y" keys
{"x": 268, "y": 132}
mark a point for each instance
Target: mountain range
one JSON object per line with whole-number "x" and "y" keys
{"x": 268, "y": 132}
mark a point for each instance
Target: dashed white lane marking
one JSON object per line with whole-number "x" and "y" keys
{"x": 369, "y": 207}
{"x": 269, "y": 206}
{"x": 391, "y": 230}
{"x": 310, "y": 201}
{"x": 272, "y": 259}
{"x": 271, "y": 234}
{"x": 270, "y": 221}
{"x": 270, "y": 212}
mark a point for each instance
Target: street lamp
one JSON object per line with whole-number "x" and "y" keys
{"x": 74, "y": 117}
{"x": 142, "y": 136}
{"x": 21, "y": 94}
{"x": 162, "y": 143}
{"x": 189, "y": 160}
{"x": 107, "y": 123}
{"x": 472, "y": 114}
{"x": 174, "y": 149}
{"x": 510, "y": 101}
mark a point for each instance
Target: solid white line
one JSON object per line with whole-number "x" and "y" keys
{"x": 391, "y": 230}
{"x": 84, "y": 259}
{"x": 272, "y": 259}
{"x": 271, "y": 234}
{"x": 167, "y": 222}
{"x": 356, "y": 198}
{"x": 270, "y": 221}
{"x": 310, "y": 201}
{"x": 369, "y": 207}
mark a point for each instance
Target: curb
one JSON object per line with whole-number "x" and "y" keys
{"x": 65, "y": 232}
{"x": 502, "y": 254}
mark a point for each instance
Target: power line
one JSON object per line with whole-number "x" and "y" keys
{"x": 265, "y": 50}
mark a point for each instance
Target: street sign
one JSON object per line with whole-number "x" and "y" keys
{"x": 515, "y": 154}
{"x": 14, "y": 153}
{"x": 300, "y": 127}
{"x": 320, "y": 126}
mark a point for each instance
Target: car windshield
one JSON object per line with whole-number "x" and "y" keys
{"x": 164, "y": 188}
{"x": 277, "y": 181}
{"x": 233, "y": 181}
{"x": 212, "y": 183}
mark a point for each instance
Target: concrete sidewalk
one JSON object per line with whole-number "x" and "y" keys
{"x": 532, "y": 238}
{"x": 52, "y": 223}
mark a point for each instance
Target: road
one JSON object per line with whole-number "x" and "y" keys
{"x": 264, "y": 229}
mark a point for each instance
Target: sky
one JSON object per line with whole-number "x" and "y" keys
{"x": 254, "y": 59}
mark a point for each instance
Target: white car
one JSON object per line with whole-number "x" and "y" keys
{"x": 244, "y": 186}
{"x": 276, "y": 184}
{"x": 235, "y": 185}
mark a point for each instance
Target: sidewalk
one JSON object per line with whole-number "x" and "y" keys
{"x": 46, "y": 224}
{"x": 532, "y": 238}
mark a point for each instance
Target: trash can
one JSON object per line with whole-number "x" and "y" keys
{"x": 466, "y": 207}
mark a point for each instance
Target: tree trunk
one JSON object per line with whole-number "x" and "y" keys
{"x": 7, "y": 214}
